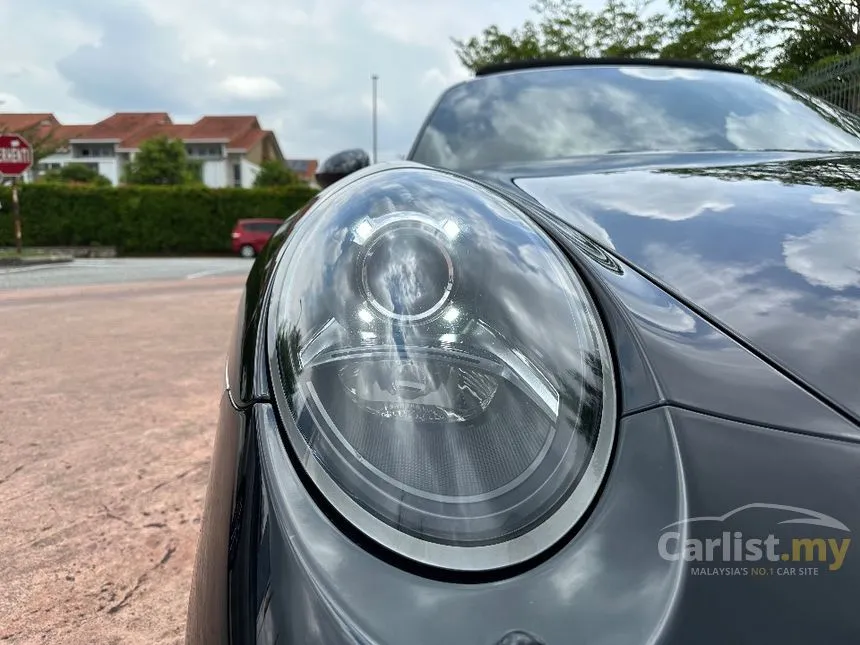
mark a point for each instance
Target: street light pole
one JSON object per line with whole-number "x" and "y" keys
{"x": 375, "y": 78}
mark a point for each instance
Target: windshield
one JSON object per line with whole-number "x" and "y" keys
{"x": 553, "y": 113}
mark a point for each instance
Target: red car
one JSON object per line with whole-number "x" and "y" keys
{"x": 250, "y": 235}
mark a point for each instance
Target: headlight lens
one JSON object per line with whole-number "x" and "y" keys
{"x": 443, "y": 374}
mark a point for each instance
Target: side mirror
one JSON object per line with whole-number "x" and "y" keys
{"x": 340, "y": 165}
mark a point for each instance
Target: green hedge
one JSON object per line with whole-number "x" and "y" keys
{"x": 141, "y": 220}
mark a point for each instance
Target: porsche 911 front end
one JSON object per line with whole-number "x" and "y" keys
{"x": 453, "y": 415}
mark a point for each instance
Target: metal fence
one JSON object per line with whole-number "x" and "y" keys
{"x": 838, "y": 83}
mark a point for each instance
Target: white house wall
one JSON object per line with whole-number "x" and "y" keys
{"x": 249, "y": 173}
{"x": 215, "y": 173}
{"x": 109, "y": 168}
{"x": 60, "y": 158}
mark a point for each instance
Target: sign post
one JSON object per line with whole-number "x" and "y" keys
{"x": 16, "y": 158}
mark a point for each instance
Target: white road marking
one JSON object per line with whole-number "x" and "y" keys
{"x": 208, "y": 272}
{"x": 90, "y": 265}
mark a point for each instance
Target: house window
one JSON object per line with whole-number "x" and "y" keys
{"x": 237, "y": 175}
{"x": 198, "y": 151}
{"x": 94, "y": 151}
{"x": 43, "y": 168}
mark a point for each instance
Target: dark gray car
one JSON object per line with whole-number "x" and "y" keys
{"x": 583, "y": 369}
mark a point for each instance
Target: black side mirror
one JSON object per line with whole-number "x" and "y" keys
{"x": 340, "y": 165}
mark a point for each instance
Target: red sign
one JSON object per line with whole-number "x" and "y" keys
{"x": 16, "y": 155}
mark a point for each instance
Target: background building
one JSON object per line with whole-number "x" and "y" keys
{"x": 229, "y": 149}
{"x": 306, "y": 169}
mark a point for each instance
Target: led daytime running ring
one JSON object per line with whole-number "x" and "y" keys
{"x": 416, "y": 224}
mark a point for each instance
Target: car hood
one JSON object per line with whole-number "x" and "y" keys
{"x": 768, "y": 246}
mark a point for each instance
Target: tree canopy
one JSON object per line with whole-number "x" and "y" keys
{"x": 275, "y": 173}
{"x": 161, "y": 161}
{"x": 780, "y": 38}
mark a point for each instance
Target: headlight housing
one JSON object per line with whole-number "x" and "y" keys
{"x": 443, "y": 374}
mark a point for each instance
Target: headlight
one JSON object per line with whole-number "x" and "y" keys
{"x": 443, "y": 374}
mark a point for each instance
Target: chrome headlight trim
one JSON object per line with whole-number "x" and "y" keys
{"x": 477, "y": 558}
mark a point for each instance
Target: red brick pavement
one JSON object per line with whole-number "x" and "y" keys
{"x": 108, "y": 399}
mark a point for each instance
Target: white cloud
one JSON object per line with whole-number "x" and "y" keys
{"x": 809, "y": 333}
{"x": 251, "y": 87}
{"x": 382, "y": 108}
{"x": 657, "y": 74}
{"x": 447, "y": 73}
{"x": 11, "y": 103}
{"x": 829, "y": 256}
{"x": 421, "y": 23}
{"x": 652, "y": 196}
{"x": 302, "y": 67}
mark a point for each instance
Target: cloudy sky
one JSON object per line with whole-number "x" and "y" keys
{"x": 302, "y": 66}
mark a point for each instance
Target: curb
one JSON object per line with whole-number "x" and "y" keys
{"x": 69, "y": 251}
{"x": 28, "y": 262}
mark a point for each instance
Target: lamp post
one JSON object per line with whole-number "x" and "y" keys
{"x": 374, "y": 78}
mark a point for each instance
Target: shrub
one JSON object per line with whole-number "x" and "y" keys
{"x": 275, "y": 173}
{"x": 141, "y": 220}
{"x": 75, "y": 173}
{"x": 162, "y": 161}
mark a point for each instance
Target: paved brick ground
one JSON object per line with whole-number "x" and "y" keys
{"x": 108, "y": 399}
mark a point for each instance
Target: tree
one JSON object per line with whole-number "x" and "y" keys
{"x": 779, "y": 38}
{"x": 75, "y": 173}
{"x": 831, "y": 33}
{"x": 275, "y": 173}
{"x": 840, "y": 19}
{"x": 623, "y": 28}
{"x": 161, "y": 161}
{"x": 713, "y": 30}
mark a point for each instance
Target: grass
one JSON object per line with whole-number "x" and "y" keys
{"x": 12, "y": 253}
{"x": 7, "y": 253}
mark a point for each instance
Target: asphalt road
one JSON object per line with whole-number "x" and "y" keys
{"x": 86, "y": 272}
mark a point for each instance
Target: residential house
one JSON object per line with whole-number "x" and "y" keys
{"x": 306, "y": 169}
{"x": 229, "y": 149}
{"x": 30, "y": 125}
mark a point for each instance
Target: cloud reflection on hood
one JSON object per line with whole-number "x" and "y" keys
{"x": 770, "y": 249}
{"x": 829, "y": 256}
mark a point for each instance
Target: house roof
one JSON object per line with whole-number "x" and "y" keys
{"x": 62, "y": 134}
{"x": 223, "y": 127}
{"x": 172, "y": 130}
{"x": 66, "y": 132}
{"x": 238, "y": 132}
{"x": 41, "y": 122}
{"x": 248, "y": 139}
{"x": 302, "y": 166}
{"x": 24, "y": 121}
{"x": 123, "y": 125}
{"x": 130, "y": 129}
